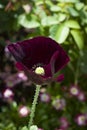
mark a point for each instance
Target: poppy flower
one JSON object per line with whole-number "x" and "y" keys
{"x": 40, "y": 58}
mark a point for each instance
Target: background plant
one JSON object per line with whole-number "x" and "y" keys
{"x": 66, "y": 22}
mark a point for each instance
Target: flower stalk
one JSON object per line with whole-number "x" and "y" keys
{"x": 34, "y": 105}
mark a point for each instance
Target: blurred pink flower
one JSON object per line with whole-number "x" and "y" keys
{"x": 64, "y": 124}
{"x": 81, "y": 96}
{"x": 22, "y": 76}
{"x": 59, "y": 104}
{"x": 8, "y": 94}
{"x": 44, "y": 97}
{"x": 74, "y": 90}
{"x": 42, "y": 90}
{"x": 23, "y": 111}
{"x": 7, "y": 54}
{"x": 81, "y": 119}
{"x": 15, "y": 79}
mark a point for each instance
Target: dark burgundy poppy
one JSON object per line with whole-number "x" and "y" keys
{"x": 39, "y": 52}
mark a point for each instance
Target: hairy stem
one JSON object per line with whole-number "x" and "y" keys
{"x": 34, "y": 105}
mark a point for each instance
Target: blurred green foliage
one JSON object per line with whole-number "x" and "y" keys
{"x": 66, "y": 22}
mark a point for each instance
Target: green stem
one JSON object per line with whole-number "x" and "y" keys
{"x": 77, "y": 72}
{"x": 34, "y": 105}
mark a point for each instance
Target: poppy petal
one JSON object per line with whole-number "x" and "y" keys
{"x": 16, "y": 51}
{"x": 60, "y": 78}
{"x": 53, "y": 60}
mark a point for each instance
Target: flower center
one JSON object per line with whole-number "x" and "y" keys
{"x": 40, "y": 70}
{"x": 82, "y": 119}
{"x": 74, "y": 91}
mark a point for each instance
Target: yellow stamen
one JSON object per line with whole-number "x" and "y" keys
{"x": 40, "y": 71}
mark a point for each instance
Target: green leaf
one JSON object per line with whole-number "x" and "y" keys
{"x": 72, "y": 24}
{"x": 49, "y": 20}
{"x": 52, "y": 20}
{"x": 55, "y": 8}
{"x": 70, "y": 1}
{"x": 61, "y": 17}
{"x": 39, "y": 2}
{"x": 62, "y": 33}
{"x": 79, "y": 6}
{"x": 78, "y": 37}
{"x": 53, "y": 30}
{"x": 72, "y": 11}
{"x": 33, "y": 127}
{"x": 24, "y": 128}
{"x": 28, "y": 22}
